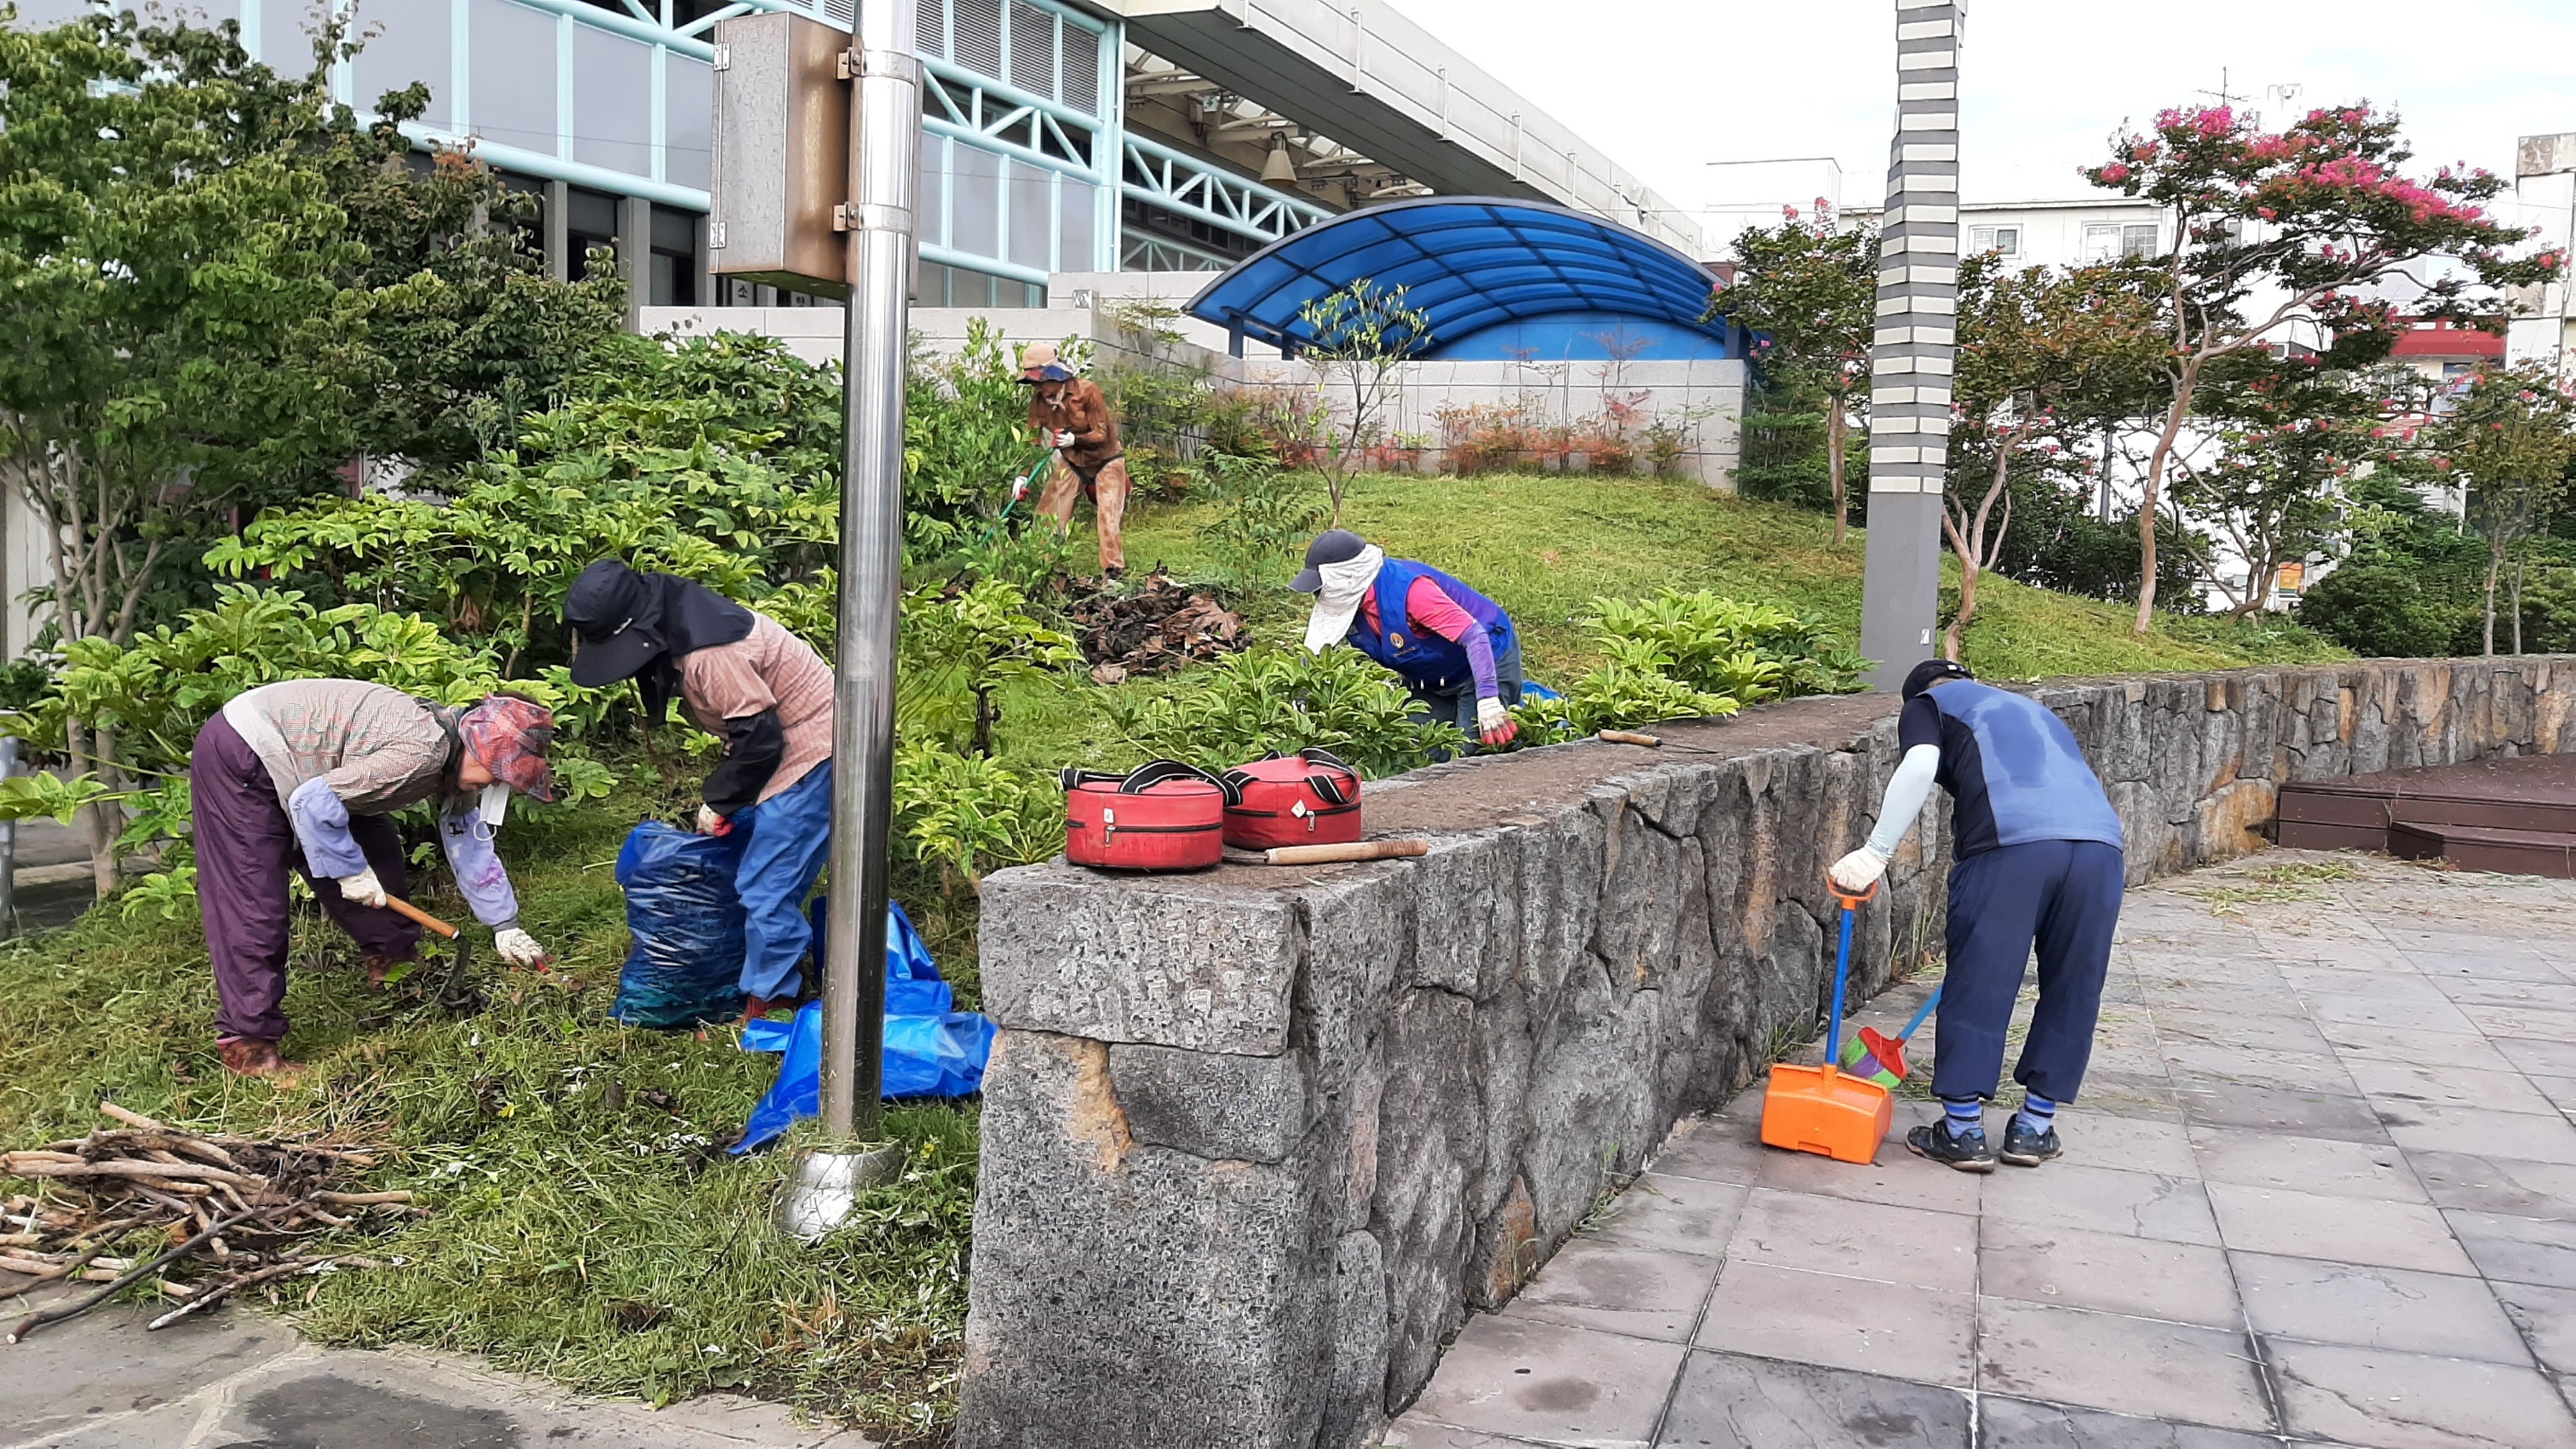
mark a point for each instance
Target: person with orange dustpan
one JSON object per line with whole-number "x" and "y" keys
{"x": 1072, "y": 416}
{"x": 2039, "y": 863}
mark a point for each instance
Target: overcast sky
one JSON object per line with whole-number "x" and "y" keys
{"x": 1666, "y": 86}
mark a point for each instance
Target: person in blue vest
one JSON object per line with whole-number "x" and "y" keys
{"x": 2038, "y": 863}
{"x": 1454, "y": 648}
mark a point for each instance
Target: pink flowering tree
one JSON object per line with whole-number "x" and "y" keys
{"x": 2275, "y": 228}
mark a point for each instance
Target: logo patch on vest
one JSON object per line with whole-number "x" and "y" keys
{"x": 1395, "y": 640}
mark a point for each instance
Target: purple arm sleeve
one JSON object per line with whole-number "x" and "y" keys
{"x": 478, "y": 870}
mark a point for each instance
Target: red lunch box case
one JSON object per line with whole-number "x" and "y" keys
{"x": 1310, "y": 798}
{"x": 1165, "y": 816}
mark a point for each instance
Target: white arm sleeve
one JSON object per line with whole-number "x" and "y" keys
{"x": 1907, "y": 790}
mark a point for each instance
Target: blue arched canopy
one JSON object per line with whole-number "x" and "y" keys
{"x": 1498, "y": 279}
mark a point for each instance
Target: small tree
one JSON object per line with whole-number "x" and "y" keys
{"x": 2272, "y": 491}
{"x": 1809, "y": 291}
{"x": 1356, "y": 337}
{"x": 2513, "y": 436}
{"x": 2043, "y": 357}
{"x": 2273, "y": 228}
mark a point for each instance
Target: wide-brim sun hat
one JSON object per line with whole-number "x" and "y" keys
{"x": 607, "y": 608}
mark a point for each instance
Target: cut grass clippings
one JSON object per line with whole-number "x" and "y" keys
{"x": 585, "y": 1223}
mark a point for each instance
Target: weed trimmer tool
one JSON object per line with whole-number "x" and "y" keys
{"x": 1881, "y": 1058}
{"x": 455, "y": 991}
{"x": 1824, "y": 1109}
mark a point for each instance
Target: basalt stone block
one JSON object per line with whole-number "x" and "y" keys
{"x": 1355, "y": 1405}
{"x": 1176, "y": 961}
{"x": 1588, "y": 1119}
{"x": 1213, "y": 1104}
{"x": 1124, "y": 1294}
{"x": 1640, "y": 899}
{"x": 1360, "y": 934}
{"x": 1428, "y": 1136}
{"x": 1469, "y": 889}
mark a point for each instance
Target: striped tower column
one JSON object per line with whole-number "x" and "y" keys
{"x": 1917, "y": 338}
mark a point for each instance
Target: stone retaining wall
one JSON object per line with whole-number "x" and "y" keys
{"x": 1256, "y": 1141}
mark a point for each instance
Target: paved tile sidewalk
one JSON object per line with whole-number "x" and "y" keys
{"x": 2321, "y": 1190}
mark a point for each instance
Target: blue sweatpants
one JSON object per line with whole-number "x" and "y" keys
{"x": 2062, "y": 896}
{"x": 790, "y": 837}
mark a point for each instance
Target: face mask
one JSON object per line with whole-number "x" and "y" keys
{"x": 496, "y": 804}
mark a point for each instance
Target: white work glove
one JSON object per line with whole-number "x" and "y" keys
{"x": 1495, "y": 723}
{"x": 1063, "y": 439}
{"x": 517, "y": 947}
{"x": 364, "y": 888}
{"x": 1855, "y": 873}
{"x": 1019, "y": 489}
{"x": 710, "y": 823}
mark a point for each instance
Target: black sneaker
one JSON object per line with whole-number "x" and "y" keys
{"x": 1967, "y": 1154}
{"x": 2025, "y": 1148}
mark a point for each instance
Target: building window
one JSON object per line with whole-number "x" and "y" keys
{"x": 2003, "y": 241}
{"x": 513, "y": 55}
{"x": 674, "y": 281}
{"x": 2105, "y": 240}
{"x": 688, "y": 121}
{"x": 612, "y": 101}
{"x": 409, "y": 43}
{"x": 590, "y": 221}
{"x": 939, "y": 286}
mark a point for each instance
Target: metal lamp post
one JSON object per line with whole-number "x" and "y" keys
{"x": 1916, "y": 344}
{"x": 885, "y": 150}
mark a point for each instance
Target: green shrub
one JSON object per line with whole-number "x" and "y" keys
{"x": 1264, "y": 516}
{"x": 1285, "y": 700}
{"x": 1690, "y": 655}
{"x": 958, "y": 817}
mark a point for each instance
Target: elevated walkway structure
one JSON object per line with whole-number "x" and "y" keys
{"x": 1362, "y": 73}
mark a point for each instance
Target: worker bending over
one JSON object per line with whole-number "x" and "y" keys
{"x": 1073, "y": 417}
{"x": 1455, "y": 649}
{"x": 2037, "y": 862}
{"x": 306, "y": 774}
{"x": 768, "y": 695}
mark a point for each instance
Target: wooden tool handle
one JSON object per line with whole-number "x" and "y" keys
{"x": 406, "y": 909}
{"x": 1628, "y": 737}
{"x": 1356, "y": 850}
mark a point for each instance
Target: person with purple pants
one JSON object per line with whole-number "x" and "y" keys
{"x": 305, "y": 775}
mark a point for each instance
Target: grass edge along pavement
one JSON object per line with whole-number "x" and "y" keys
{"x": 585, "y": 1226}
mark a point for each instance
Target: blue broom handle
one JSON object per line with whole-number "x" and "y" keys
{"x": 1842, "y": 969}
{"x": 1920, "y": 1013}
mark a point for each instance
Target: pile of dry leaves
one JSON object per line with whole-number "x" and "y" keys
{"x": 1154, "y": 628}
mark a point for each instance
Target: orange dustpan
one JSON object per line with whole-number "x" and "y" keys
{"x": 1825, "y": 1109}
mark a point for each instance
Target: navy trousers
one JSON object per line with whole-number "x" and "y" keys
{"x": 2060, "y": 896}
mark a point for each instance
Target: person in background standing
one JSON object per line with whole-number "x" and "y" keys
{"x": 1073, "y": 417}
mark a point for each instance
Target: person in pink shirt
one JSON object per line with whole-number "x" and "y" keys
{"x": 1455, "y": 649}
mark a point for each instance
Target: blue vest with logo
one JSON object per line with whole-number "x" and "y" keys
{"x": 2037, "y": 784}
{"x": 1426, "y": 660}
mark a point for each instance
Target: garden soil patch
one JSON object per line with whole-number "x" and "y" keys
{"x": 1155, "y": 628}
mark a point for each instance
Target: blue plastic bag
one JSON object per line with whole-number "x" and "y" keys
{"x": 685, "y": 966}
{"x": 930, "y": 1050}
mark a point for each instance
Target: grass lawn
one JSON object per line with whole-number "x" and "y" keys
{"x": 586, "y": 1224}
{"x": 587, "y": 1228}
{"x": 1544, "y": 547}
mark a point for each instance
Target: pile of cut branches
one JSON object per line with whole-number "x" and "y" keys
{"x": 1156, "y": 628}
{"x": 207, "y": 1214}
